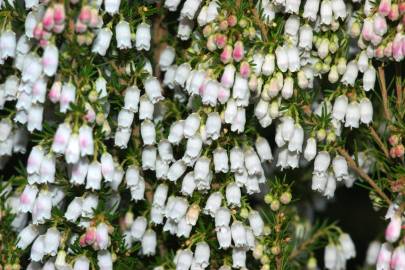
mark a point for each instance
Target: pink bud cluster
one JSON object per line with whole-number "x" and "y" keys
{"x": 397, "y": 148}
{"x": 52, "y": 21}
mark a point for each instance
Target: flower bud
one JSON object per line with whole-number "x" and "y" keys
{"x": 238, "y": 51}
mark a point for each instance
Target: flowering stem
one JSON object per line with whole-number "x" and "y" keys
{"x": 378, "y": 140}
{"x": 383, "y": 89}
{"x": 352, "y": 164}
{"x": 259, "y": 22}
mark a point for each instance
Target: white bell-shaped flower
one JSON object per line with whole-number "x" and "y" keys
{"x": 224, "y": 237}
{"x": 123, "y": 35}
{"x": 153, "y": 89}
{"x": 166, "y": 58}
{"x": 138, "y": 228}
{"x": 213, "y": 203}
{"x": 86, "y": 140}
{"x": 149, "y": 158}
{"x": 177, "y": 169}
{"x": 201, "y": 255}
{"x": 238, "y": 232}
{"x": 188, "y": 184}
{"x": 340, "y": 107}
{"x": 94, "y": 176}
{"x": 222, "y": 217}
{"x": 112, "y": 6}
{"x": 322, "y": 162}
{"x": 143, "y": 37}
{"x": 366, "y": 111}
{"x": 74, "y": 209}
{"x": 102, "y": 41}
{"x": 233, "y": 194}
{"x": 353, "y": 114}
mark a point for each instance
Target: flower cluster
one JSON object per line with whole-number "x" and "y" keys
{"x": 140, "y": 132}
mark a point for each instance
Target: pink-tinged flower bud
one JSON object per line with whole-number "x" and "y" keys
{"x": 48, "y": 19}
{"x": 367, "y": 31}
{"x": 220, "y": 40}
{"x": 393, "y": 154}
{"x": 238, "y": 51}
{"x": 394, "y": 12}
{"x": 38, "y": 31}
{"x": 59, "y": 13}
{"x": 232, "y": 20}
{"x": 384, "y": 257}
{"x": 85, "y": 14}
{"x": 80, "y": 27}
{"x": 380, "y": 26}
{"x": 58, "y": 28}
{"x": 228, "y": 76}
{"x": 393, "y": 230}
{"x": 385, "y": 7}
{"x": 379, "y": 52}
{"x": 399, "y": 150}
{"x": 394, "y": 139}
{"x": 244, "y": 69}
{"x": 226, "y": 55}
{"x": 55, "y": 92}
{"x": 387, "y": 51}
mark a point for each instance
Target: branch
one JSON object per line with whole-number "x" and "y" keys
{"x": 303, "y": 246}
{"x": 259, "y": 22}
{"x": 360, "y": 172}
{"x": 398, "y": 86}
{"x": 378, "y": 140}
{"x": 383, "y": 89}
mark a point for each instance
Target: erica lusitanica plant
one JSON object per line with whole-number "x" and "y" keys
{"x": 199, "y": 134}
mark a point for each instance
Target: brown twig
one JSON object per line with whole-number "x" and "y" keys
{"x": 398, "y": 86}
{"x": 306, "y": 243}
{"x": 259, "y": 22}
{"x": 378, "y": 140}
{"x": 360, "y": 172}
{"x": 384, "y": 94}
